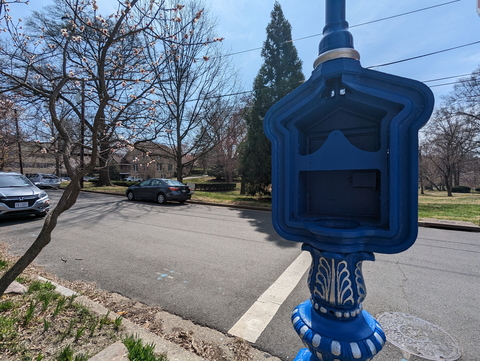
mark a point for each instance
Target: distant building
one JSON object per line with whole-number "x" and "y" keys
{"x": 151, "y": 160}
{"x": 37, "y": 158}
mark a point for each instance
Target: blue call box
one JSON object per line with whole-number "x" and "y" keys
{"x": 345, "y": 159}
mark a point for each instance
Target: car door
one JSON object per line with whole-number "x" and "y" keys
{"x": 142, "y": 189}
{"x": 153, "y": 188}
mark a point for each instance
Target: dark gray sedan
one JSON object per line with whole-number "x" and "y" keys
{"x": 160, "y": 190}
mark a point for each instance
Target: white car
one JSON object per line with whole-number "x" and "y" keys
{"x": 43, "y": 180}
{"x": 133, "y": 179}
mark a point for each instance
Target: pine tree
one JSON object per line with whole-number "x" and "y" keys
{"x": 280, "y": 73}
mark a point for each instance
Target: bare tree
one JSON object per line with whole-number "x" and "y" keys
{"x": 450, "y": 139}
{"x": 429, "y": 175}
{"x": 198, "y": 78}
{"x": 71, "y": 47}
{"x": 224, "y": 157}
{"x": 9, "y": 135}
{"x": 5, "y": 8}
{"x": 453, "y": 135}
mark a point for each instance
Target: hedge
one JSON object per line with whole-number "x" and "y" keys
{"x": 461, "y": 189}
{"x": 124, "y": 183}
{"x": 215, "y": 187}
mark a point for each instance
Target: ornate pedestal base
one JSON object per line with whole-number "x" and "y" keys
{"x": 332, "y": 324}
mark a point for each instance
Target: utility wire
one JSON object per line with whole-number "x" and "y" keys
{"x": 444, "y": 84}
{"x": 407, "y": 13}
{"x": 353, "y": 26}
{"x": 447, "y": 77}
{"x": 423, "y": 55}
{"x": 423, "y": 81}
{"x": 385, "y": 64}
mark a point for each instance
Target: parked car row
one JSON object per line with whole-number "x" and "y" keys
{"x": 19, "y": 196}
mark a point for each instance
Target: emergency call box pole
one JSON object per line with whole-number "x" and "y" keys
{"x": 344, "y": 183}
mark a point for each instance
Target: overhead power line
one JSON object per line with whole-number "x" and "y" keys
{"x": 447, "y": 77}
{"x": 423, "y": 81}
{"x": 423, "y": 55}
{"x": 355, "y": 25}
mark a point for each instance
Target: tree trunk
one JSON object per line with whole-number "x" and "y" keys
{"x": 448, "y": 185}
{"x": 104, "y": 173}
{"x": 180, "y": 172}
{"x": 456, "y": 178}
{"x": 68, "y": 199}
{"x": 57, "y": 165}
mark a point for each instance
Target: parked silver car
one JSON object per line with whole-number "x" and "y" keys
{"x": 42, "y": 180}
{"x": 18, "y": 196}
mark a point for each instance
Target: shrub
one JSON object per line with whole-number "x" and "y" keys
{"x": 123, "y": 183}
{"x": 215, "y": 187}
{"x": 477, "y": 189}
{"x": 461, "y": 189}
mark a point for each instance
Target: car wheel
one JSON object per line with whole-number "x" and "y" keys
{"x": 130, "y": 196}
{"x": 161, "y": 198}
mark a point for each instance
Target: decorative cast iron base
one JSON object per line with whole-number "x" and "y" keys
{"x": 331, "y": 339}
{"x": 333, "y": 324}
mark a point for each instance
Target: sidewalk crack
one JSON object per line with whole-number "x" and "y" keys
{"x": 403, "y": 286}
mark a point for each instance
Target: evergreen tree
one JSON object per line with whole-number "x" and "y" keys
{"x": 280, "y": 73}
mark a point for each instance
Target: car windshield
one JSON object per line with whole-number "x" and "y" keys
{"x": 173, "y": 182}
{"x": 49, "y": 176}
{"x": 14, "y": 180}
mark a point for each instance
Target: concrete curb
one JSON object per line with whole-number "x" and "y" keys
{"x": 115, "y": 352}
{"x": 447, "y": 224}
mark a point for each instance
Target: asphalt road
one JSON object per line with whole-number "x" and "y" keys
{"x": 211, "y": 264}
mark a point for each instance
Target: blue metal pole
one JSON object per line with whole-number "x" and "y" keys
{"x": 335, "y": 32}
{"x": 337, "y": 42}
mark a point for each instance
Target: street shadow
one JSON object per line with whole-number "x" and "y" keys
{"x": 15, "y": 220}
{"x": 262, "y": 222}
{"x": 89, "y": 210}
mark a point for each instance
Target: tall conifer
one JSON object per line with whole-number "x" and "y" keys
{"x": 280, "y": 73}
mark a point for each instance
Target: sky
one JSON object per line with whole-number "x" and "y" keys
{"x": 243, "y": 25}
{"x": 446, "y": 24}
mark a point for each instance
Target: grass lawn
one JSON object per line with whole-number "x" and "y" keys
{"x": 460, "y": 207}
{"x": 433, "y": 204}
